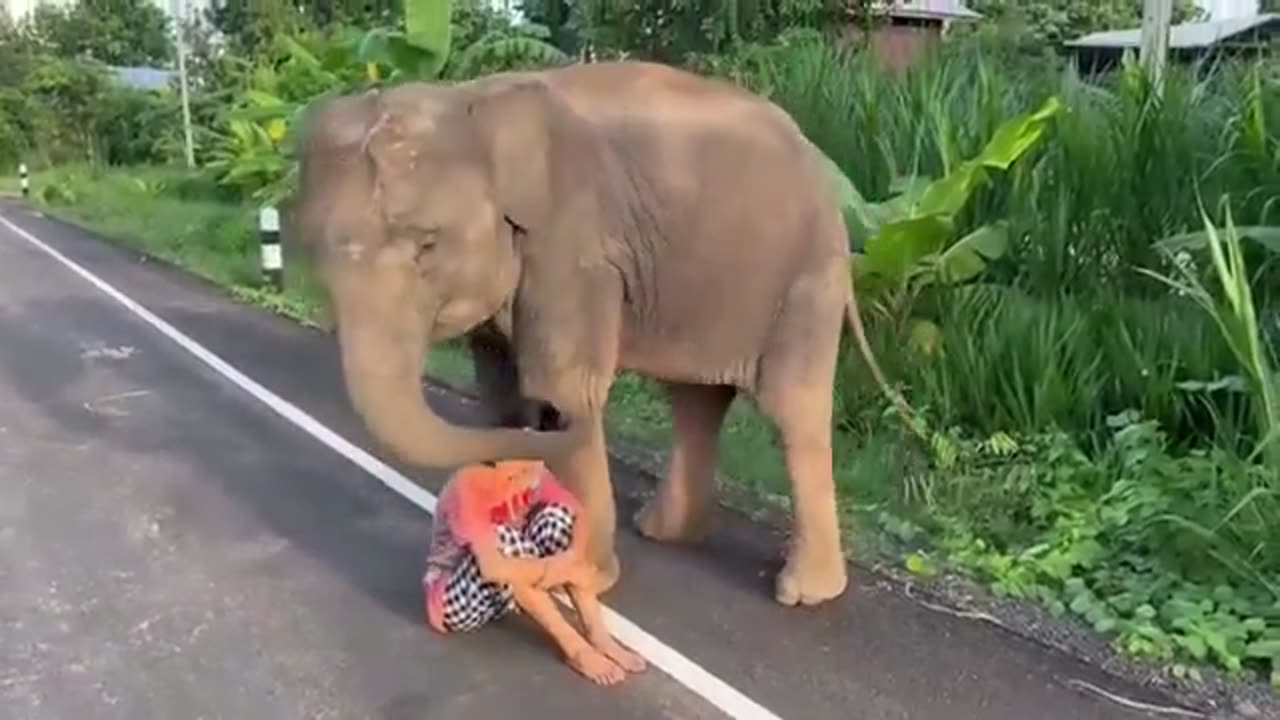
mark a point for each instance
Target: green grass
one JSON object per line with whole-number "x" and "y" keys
{"x": 139, "y": 209}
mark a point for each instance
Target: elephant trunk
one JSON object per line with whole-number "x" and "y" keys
{"x": 382, "y": 370}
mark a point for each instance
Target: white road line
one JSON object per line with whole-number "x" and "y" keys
{"x": 683, "y": 670}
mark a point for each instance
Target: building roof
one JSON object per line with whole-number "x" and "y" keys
{"x": 143, "y": 78}
{"x": 925, "y": 9}
{"x": 1186, "y": 35}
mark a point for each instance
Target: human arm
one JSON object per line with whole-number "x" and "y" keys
{"x": 498, "y": 568}
{"x": 569, "y": 566}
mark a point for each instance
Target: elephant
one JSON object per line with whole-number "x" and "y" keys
{"x": 571, "y": 223}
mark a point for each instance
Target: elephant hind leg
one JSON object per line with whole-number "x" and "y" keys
{"x": 815, "y": 570}
{"x": 795, "y": 391}
{"x": 680, "y": 509}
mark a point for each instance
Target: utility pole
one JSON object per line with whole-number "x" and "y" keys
{"x": 180, "y": 17}
{"x": 1157, "y": 16}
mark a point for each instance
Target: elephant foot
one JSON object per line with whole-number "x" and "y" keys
{"x": 657, "y": 521}
{"x": 811, "y": 578}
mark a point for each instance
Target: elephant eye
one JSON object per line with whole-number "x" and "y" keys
{"x": 425, "y": 240}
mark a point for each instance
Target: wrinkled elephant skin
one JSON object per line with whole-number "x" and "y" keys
{"x": 572, "y": 223}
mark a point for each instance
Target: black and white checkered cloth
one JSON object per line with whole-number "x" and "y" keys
{"x": 470, "y": 601}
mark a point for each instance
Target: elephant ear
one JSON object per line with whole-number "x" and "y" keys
{"x": 330, "y": 142}
{"x": 539, "y": 149}
{"x": 405, "y": 126}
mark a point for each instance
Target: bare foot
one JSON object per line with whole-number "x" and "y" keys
{"x": 595, "y": 666}
{"x": 626, "y": 659}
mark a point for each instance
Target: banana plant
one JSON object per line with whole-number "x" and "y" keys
{"x": 908, "y": 242}
{"x": 255, "y": 151}
{"x": 419, "y": 51}
{"x": 527, "y": 44}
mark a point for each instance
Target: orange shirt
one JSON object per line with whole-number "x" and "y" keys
{"x": 475, "y": 500}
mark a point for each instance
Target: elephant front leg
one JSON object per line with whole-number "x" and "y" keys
{"x": 566, "y": 335}
{"x": 585, "y": 473}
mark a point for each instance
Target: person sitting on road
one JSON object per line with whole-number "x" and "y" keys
{"x": 504, "y": 536}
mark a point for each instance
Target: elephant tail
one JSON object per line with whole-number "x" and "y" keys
{"x": 854, "y": 317}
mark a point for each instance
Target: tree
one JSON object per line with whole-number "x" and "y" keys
{"x": 670, "y": 30}
{"x": 115, "y": 32}
{"x": 250, "y": 26}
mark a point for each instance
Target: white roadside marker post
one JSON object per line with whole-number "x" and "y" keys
{"x": 269, "y": 240}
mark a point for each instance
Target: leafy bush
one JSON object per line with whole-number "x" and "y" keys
{"x": 1176, "y": 557}
{"x": 63, "y": 111}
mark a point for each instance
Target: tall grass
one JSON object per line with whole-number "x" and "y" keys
{"x": 1121, "y": 170}
{"x": 1066, "y": 331}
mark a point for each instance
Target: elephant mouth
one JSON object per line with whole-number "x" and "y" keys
{"x": 460, "y": 316}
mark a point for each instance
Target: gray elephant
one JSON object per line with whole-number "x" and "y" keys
{"x": 578, "y": 221}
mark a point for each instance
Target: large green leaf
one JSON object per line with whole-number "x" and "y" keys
{"x": 260, "y": 113}
{"x": 969, "y": 256}
{"x": 372, "y": 47}
{"x": 393, "y": 50}
{"x": 906, "y": 191}
{"x": 1017, "y": 135}
{"x": 427, "y": 26}
{"x": 909, "y": 233}
{"x": 1009, "y": 142}
{"x": 900, "y": 245}
{"x": 947, "y": 195}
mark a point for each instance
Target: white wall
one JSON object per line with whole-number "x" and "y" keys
{"x": 1225, "y": 9}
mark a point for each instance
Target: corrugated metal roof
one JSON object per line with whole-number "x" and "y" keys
{"x": 1186, "y": 35}
{"x": 143, "y": 78}
{"x": 926, "y": 9}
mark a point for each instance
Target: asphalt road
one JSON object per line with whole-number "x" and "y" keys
{"x": 171, "y": 547}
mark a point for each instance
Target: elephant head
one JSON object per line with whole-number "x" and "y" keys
{"x": 416, "y": 201}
